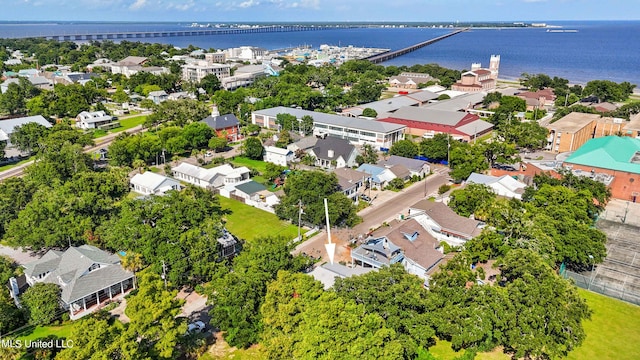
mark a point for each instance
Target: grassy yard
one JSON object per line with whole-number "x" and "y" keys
{"x": 249, "y": 223}
{"x": 11, "y": 166}
{"x": 129, "y": 123}
{"x": 612, "y": 333}
{"x": 61, "y": 332}
{"x": 258, "y": 165}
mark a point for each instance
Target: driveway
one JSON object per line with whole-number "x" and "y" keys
{"x": 387, "y": 206}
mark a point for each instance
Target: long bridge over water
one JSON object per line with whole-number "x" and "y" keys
{"x": 123, "y": 35}
{"x": 395, "y": 53}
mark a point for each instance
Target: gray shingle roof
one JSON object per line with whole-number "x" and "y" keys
{"x": 221, "y": 122}
{"x": 414, "y": 165}
{"x": 448, "y": 219}
{"x": 340, "y": 147}
{"x": 8, "y": 125}
{"x": 72, "y": 271}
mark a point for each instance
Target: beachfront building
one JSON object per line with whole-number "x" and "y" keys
{"x": 478, "y": 78}
{"x": 378, "y": 134}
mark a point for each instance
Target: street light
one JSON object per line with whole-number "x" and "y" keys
{"x": 591, "y": 281}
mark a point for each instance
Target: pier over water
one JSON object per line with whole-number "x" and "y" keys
{"x": 124, "y": 35}
{"x": 396, "y": 53}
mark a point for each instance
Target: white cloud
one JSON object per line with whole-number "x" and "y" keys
{"x": 248, "y": 4}
{"x": 181, "y": 7}
{"x": 304, "y": 4}
{"x": 138, "y": 4}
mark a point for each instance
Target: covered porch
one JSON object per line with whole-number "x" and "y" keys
{"x": 101, "y": 298}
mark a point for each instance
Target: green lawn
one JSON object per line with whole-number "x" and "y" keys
{"x": 11, "y": 166}
{"x": 612, "y": 333}
{"x": 61, "y": 332}
{"x": 249, "y": 223}
{"x": 129, "y": 123}
{"x": 258, "y": 165}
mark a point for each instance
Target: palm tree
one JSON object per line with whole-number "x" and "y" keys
{"x": 139, "y": 164}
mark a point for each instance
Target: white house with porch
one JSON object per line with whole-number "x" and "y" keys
{"x": 88, "y": 277}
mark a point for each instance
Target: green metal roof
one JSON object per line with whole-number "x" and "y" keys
{"x": 610, "y": 152}
{"x": 250, "y": 187}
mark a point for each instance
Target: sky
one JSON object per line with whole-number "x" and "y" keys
{"x": 222, "y": 11}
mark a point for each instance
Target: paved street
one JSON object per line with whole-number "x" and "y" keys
{"x": 387, "y": 206}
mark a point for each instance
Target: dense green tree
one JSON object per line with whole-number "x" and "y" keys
{"x": 41, "y": 302}
{"x": 178, "y": 112}
{"x": 210, "y": 83}
{"x": 284, "y": 139}
{"x": 606, "y": 90}
{"x": 272, "y": 171}
{"x": 399, "y": 298}
{"x": 310, "y": 188}
{"x": 12, "y": 101}
{"x": 28, "y": 137}
{"x": 218, "y": 143}
{"x": 544, "y": 313}
{"x": 119, "y": 96}
{"x": 513, "y": 103}
{"x": 236, "y": 296}
{"x": 472, "y": 199}
{"x": 369, "y": 155}
{"x": 436, "y": 148}
{"x": 404, "y": 148}
{"x": 306, "y": 125}
{"x": 252, "y": 148}
{"x": 498, "y": 152}
{"x": 369, "y": 112}
{"x": 15, "y": 194}
{"x": 303, "y": 321}
{"x": 152, "y": 311}
{"x": 465, "y": 159}
{"x": 197, "y": 134}
{"x": 365, "y": 91}
{"x": 492, "y": 97}
{"x": 529, "y": 135}
{"x": 10, "y": 316}
{"x": 180, "y": 229}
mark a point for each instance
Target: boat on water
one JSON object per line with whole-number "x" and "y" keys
{"x": 562, "y": 31}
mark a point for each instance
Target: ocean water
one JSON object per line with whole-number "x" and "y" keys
{"x": 603, "y": 50}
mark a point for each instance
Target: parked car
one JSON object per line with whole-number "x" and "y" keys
{"x": 196, "y": 327}
{"x": 365, "y": 197}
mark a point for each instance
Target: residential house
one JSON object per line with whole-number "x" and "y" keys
{"x": 400, "y": 172}
{"x": 479, "y": 79}
{"x": 149, "y": 183}
{"x": 229, "y": 245}
{"x": 226, "y": 125}
{"x": 422, "y": 252}
{"x": 210, "y": 178}
{"x": 303, "y": 145}
{"x": 443, "y": 223}
{"x": 350, "y": 181}
{"x": 134, "y": 64}
{"x": 538, "y": 99}
{"x": 376, "y": 253}
{"x": 358, "y": 131}
{"x": 613, "y": 160}
{"x": 505, "y": 186}
{"x": 409, "y": 80}
{"x": 379, "y": 175}
{"x": 574, "y": 129}
{"x": 327, "y": 273}
{"x": 92, "y": 120}
{"x": 251, "y": 193}
{"x": 88, "y": 277}
{"x": 8, "y": 126}
{"x": 278, "y": 156}
{"x": 416, "y": 167}
{"x": 332, "y": 152}
{"x": 158, "y": 96}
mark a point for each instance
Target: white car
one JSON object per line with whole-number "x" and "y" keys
{"x": 196, "y": 327}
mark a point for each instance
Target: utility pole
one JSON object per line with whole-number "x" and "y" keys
{"x": 448, "y": 150}
{"x": 164, "y": 274}
{"x": 299, "y": 217}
